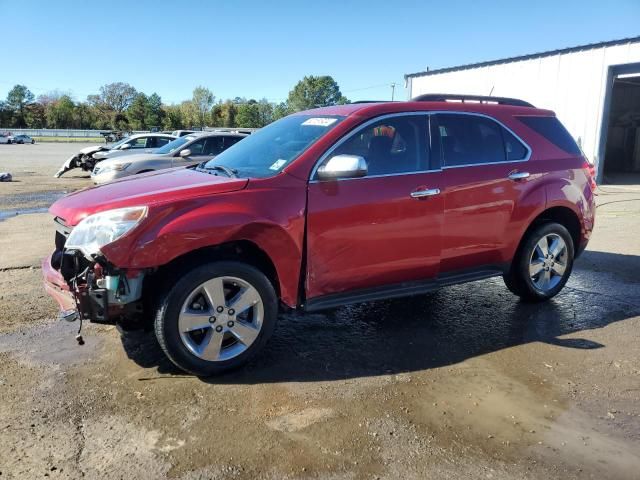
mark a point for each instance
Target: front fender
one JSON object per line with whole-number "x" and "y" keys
{"x": 272, "y": 220}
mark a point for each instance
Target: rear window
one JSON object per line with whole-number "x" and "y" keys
{"x": 551, "y": 129}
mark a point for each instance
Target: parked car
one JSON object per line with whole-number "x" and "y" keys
{"x": 181, "y": 152}
{"x": 87, "y": 157}
{"x": 182, "y": 133}
{"x": 21, "y": 139}
{"x": 323, "y": 208}
{"x": 6, "y": 138}
{"x": 140, "y": 143}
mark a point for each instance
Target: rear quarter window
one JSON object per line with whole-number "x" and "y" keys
{"x": 551, "y": 129}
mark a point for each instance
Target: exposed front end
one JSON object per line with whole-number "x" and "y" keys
{"x": 83, "y": 282}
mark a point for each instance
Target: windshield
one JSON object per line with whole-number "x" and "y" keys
{"x": 118, "y": 143}
{"x": 270, "y": 149}
{"x": 173, "y": 145}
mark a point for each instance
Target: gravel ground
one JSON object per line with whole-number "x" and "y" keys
{"x": 463, "y": 383}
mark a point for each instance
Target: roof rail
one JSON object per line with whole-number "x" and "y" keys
{"x": 447, "y": 97}
{"x": 373, "y": 101}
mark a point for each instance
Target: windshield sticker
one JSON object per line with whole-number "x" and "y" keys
{"x": 319, "y": 121}
{"x": 277, "y": 164}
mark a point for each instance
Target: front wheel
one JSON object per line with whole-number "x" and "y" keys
{"x": 542, "y": 264}
{"x": 216, "y": 317}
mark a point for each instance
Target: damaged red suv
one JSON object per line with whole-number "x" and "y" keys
{"x": 323, "y": 208}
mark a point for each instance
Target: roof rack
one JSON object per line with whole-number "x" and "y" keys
{"x": 446, "y": 97}
{"x": 373, "y": 101}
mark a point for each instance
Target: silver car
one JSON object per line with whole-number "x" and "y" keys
{"x": 184, "y": 151}
{"x": 139, "y": 143}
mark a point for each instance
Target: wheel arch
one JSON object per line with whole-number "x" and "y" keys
{"x": 244, "y": 251}
{"x": 563, "y": 215}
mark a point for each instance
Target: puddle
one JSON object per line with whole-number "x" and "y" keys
{"x": 28, "y": 203}
{"x": 4, "y": 214}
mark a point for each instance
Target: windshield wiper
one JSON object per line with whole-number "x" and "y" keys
{"x": 228, "y": 171}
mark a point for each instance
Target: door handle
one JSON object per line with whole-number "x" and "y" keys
{"x": 518, "y": 175}
{"x": 425, "y": 193}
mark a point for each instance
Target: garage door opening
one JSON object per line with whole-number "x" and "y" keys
{"x": 622, "y": 154}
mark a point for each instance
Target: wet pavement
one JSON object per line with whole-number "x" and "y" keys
{"x": 466, "y": 382}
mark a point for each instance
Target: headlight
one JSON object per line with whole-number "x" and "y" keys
{"x": 100, "y": 229}
{"x": 118, "y": 167}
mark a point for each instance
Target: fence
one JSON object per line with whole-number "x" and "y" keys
{"x": 48, "y": 132}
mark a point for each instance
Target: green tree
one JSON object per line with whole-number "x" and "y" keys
{"x": 313, "y": 92}
{"x": 189, "y": 114}
{"x": 280, "y": 110}
{"x": 60, "y": 113}
{"x": 35, "y": 115}
{"x": 172, "y": 117}
{"x": 229, "y": 114}
{"x": 137, "y": 112}
{"x": 203, "y": 100}
{"x": 17, "y": 100}
{"x": 6, "y": 115}
{"x": 248, "y": 115}
{"x": 154, "y": 113}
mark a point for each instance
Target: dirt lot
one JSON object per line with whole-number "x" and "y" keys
{"x": 463, "y": 383}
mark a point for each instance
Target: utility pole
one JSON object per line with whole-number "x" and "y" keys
{"x": 393, "y": 90}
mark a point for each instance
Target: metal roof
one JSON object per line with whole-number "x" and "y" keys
{"x": 520, "y": 58}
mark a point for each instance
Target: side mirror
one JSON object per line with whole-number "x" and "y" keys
{"x": 125, "y": 146}
{"x": 185, "y": 153}
{"x": 343, "y": 166}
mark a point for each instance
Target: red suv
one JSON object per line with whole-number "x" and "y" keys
{"x": 323, "y": 208}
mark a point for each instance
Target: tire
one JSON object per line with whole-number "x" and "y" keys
{"x": 33, "y": 142}
{"x": 552, "y": 272}
{"x": 184, "y": 340}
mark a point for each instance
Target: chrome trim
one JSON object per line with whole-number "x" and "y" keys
{"x": 519, "y": 175}
{"x": 426, "y": 113}
{"x": 425, "y": 193}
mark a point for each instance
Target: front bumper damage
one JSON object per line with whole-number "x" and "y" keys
{"x": 97, "y": 293}
{"x": 91, "y": 289}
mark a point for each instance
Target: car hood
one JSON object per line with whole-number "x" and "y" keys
{"x": 151, "y": 188}
{"x": 93, "y": 149}
{"x": 119, "y": 153}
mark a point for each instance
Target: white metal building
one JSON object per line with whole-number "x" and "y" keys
{"x": 594, "y": 90}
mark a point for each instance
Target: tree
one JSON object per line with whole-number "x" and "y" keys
{"x": 280, "y": 110}
{"x": 137, "y": 112}
{"x": 248, "y": 115}
{"x": 313, "y": 92}
{"x": 117, "y": 96}
{"x": 59, "y": 113}
{"x": 17, "y": 100}
{"x": 203, "y": 100}
{"x": 35, "y": 116}
{"x": 189, "y": 113}
{"x": 154, "y": 113}
{"x": 172, "y": 117}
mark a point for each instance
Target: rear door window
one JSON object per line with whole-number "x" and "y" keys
{"x": 469, "y": 140}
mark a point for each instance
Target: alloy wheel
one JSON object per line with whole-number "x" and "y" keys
{"x": 221, "y": 318}
{"x": 548, "y": 262}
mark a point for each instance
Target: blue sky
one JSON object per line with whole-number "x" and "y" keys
{"x": 260, "y": 49}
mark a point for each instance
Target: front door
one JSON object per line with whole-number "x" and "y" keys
{"x": 383, "y": 228}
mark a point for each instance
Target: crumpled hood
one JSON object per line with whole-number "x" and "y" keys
{"x": 93, "y": 149}
{"x": 151, "y": 188}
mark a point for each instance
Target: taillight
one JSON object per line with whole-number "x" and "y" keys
{"x": 591, "y": 174}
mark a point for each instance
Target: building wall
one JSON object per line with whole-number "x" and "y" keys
{"x": 571, "y": 84}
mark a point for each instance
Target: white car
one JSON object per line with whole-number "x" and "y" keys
{"x": 6, "y": 138}
{"x": 139, "y": 143}
{"x": 184, "y": 151}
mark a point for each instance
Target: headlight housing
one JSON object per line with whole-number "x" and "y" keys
{"x": 118, "y": 167}
{"x": 100, "y": 229}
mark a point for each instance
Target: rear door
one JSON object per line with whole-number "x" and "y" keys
{"x": 481, "y": 161}
{"x": 380, "y": 229}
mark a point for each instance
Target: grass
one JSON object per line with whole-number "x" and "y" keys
{"x": 70, "y": 139}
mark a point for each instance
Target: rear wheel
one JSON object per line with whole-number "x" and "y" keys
{"x": 542, "y": 264}
{"x": 216, "y": 317}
